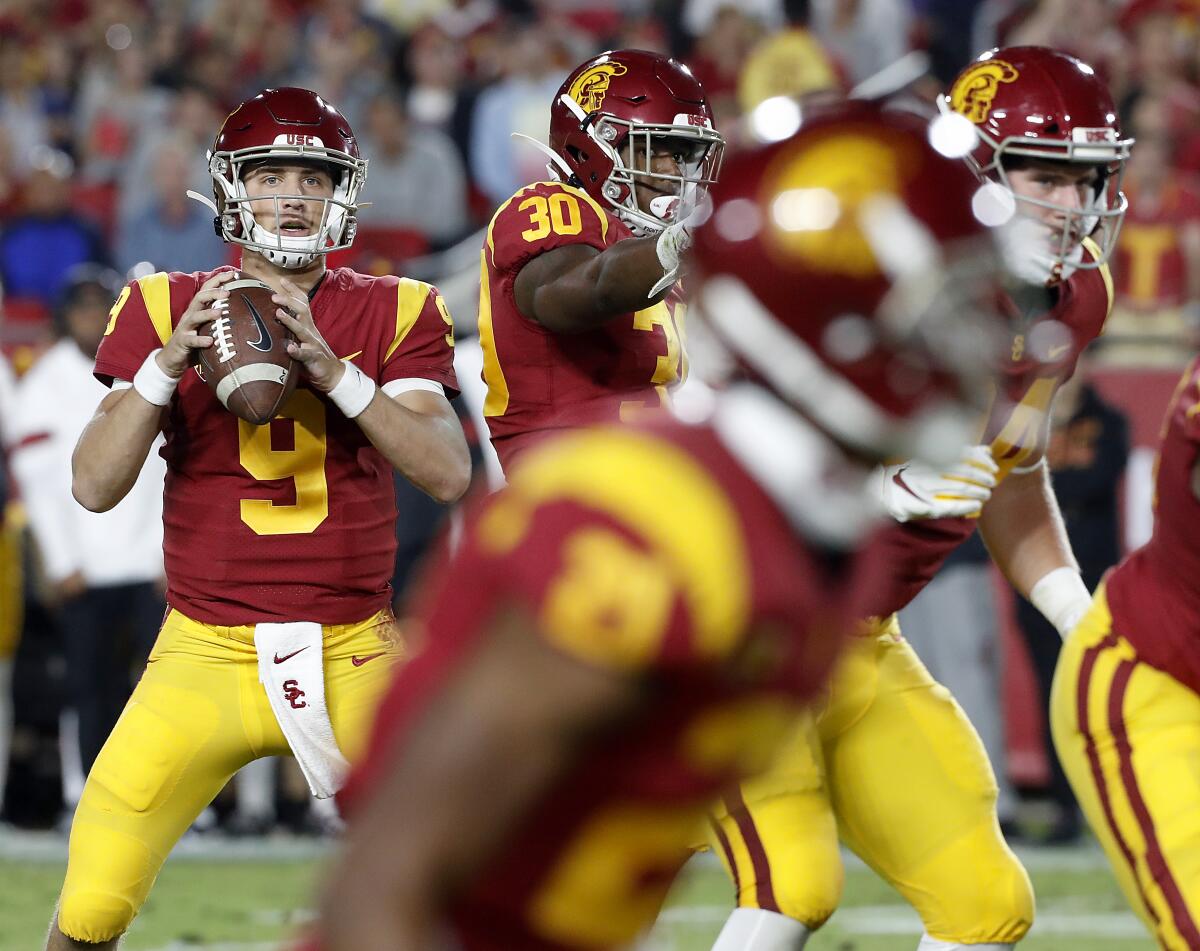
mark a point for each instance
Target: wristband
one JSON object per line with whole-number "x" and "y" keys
{"x": 354, "y": 391}
{"x": 1062, "y": 598}
{"x": 154, "y": 384}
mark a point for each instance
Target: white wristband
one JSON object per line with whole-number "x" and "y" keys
{"x": 152, "y": 383}
{"x": 1062, "y": 598}
{"x": 354, "y": 391}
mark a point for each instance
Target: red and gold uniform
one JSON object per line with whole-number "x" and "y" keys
{"x": 1150, "y": 267}
{"x": 539, "y": 381}
{"x": 650, "y": 551}
{"x": 291, "y": 521}
{"x": 890, "y": 764}
{"x": 1125, "y": 707}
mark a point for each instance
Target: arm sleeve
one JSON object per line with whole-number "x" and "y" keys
{"x": 423, "y": 346}
{"x": 140, "y": 322}
{"x": 541, "y": 218}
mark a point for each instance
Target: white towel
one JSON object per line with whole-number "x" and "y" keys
{"x": 291, "y": 670}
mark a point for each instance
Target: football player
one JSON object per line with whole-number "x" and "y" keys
{"x": 279, "y": 539}
{"x": 890, "y": 765}
{"x": 579, "y": 316}
{"x": 653, "y": 602}
{"x": 1125, "y": 706}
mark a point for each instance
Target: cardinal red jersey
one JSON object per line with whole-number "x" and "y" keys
{"x": 1016, "y": 426}
{"x": 294, "y": 520}
{"x": 1154, "y": 594}
{"x": 539, "y": 381}
{"x": 1150, "y": 266}
{"x": 650, "y": 551}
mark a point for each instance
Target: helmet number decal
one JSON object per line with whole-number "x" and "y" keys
{"x": 559, "y": 213}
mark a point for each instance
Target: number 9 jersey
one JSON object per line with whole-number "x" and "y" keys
{"x": 538, "y": 380}
{"x": 294, "y": 519}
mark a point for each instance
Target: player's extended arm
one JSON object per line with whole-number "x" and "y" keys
{"x": 576, "y": 288}
{"x": 500, "y": 732}
{"x": 1024, "y": 532}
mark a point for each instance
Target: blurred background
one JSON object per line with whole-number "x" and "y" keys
{"x": 107, "y": 109}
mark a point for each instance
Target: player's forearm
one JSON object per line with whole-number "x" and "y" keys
{"x": 358, "y": 919}
{"x": 616, "y": 281}
{"x": 1024, "y": 531}
{"x": 112, "y": 450}
{"x": 429, "y": 450}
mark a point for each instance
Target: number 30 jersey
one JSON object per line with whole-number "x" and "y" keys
{"x": 539, "y": 380}
{"x": 294, "y": 520}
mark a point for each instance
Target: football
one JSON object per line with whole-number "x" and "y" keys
{"x": 248, "y": 367}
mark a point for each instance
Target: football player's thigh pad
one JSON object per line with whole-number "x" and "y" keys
{"x": 777, "y": 836}
{"x": 915, "y": 797}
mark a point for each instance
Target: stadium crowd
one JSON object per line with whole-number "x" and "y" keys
{"x": 107, "y": 109}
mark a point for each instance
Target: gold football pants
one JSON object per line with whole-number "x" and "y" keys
{"x": 198, "y": 715}
{"x": 12, "y": 527}
{"x": 1128, "y": 736}
{"x": 890, "y": 764}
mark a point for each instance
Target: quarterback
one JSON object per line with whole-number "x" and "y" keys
{"x": 1125, "y": 706}
{"x": 890, "y": 765}
{"x": 279, "y": 538}
{"x": 654, "y": 602}
{"x": 580, "y": 318}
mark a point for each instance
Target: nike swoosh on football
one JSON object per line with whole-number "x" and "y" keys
{"x": 280, "y": 660}
{"x": 1056, "y": 352}
{"x": 359, "y": 661}
{"x": 263, "y": 343}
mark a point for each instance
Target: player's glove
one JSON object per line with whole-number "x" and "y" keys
{"x": 915, "y": 490}
{"x": 676, "y": 238}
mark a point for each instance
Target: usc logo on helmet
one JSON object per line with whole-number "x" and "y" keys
{"x": 973, "y": 93}
{"x": 816, "y": 201}
{"x": 591, "y": 86}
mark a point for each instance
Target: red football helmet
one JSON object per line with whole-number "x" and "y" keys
{"x": 611, "y": 116}
{"x": 846, "y": 269}
{"x": 296, "y": 125}
{"x": 1032, "y": 102}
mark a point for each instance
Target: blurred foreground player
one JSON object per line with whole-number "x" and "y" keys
{"x": 279, "y": 538}
{"x": 651, "y": 605}
{"x": 580, "y": 318}
{"x": 1125, "y": 706}
{"x": 890, "y": 765}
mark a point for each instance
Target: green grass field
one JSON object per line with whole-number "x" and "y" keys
{"x": 247, "y": 896}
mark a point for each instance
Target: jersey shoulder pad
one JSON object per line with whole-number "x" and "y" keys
{"x": 624, "y": 536}
{"x": 544, "y": 216}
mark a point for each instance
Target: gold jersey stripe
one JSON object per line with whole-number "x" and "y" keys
{"x": 410, "y": 299}
{"x": 496, "y": 401}
{"x": 156, "y": 292}
{"x": 117, "y": 307}
{"x": 1105, "y": 273}
{"x": 668, "y": 498}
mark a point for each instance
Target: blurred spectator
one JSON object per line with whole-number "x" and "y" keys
{"x": 10, "y": 575}
{"x": 1157, "y": 264}
{"x": 699, "y": 15}
{"x": 718, "y": 57}
{"x": 1083, "y": 28}
{"x": 173, "y": 232}
{"x": 519, "y": 102}
{"x": 865, "y": 35}
{"x": 41, "y": 245}
{"x": 21, "y": 113}
{"x": 192, "y": 114}
{"x": 438, "y": 96}
{"x": 416, "y": 178}
{"x": 790, "y": 62}
{"x": 103, "y": 571}
{"x": 1089, "y": 446}
{"x": 116, "y": 106}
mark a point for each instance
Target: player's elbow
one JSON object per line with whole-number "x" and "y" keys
{"x": 90, "y": 496}
{"x": 453, "y": 484}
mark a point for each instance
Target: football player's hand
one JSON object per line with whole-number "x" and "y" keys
{"x": 69, "y": 587}
{"x": 321, "y": 366}
{"x": 179, "y": 352}
{"x": 914, "y": 490}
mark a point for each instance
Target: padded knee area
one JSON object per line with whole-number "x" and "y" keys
{"x": 94, "y": 916}
{"x": 992, "y": 904}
